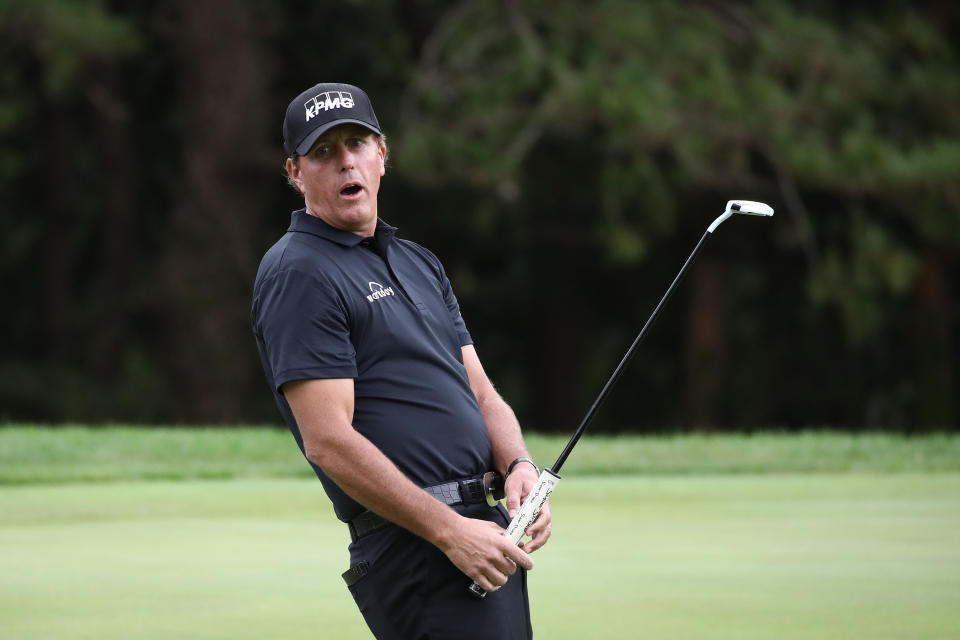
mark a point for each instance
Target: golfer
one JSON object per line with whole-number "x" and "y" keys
{"x": 375, "y": 373}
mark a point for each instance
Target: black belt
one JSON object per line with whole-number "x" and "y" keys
{"x": 486, "y": 487}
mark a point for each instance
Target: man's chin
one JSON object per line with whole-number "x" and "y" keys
{"x": 358, "y": 218}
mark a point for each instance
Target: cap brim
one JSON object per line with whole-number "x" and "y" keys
{"x": 307, "y": 142}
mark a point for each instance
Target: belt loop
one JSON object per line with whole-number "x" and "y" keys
{"x": 353, "y": 531}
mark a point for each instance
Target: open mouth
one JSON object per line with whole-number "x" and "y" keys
{"x": 351, "y": 190}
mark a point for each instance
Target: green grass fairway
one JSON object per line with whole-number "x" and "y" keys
{"x": 846, "y": 556}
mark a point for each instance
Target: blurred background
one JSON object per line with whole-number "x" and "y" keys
{"x": 561, "y": 158}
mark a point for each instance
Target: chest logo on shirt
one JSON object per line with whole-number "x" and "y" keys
{"x": 377, "y": 291}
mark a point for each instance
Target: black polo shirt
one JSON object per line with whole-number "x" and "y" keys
{"x": 328, "y": 303}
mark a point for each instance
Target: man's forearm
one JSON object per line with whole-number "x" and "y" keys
{"x": 369, "y": 477}
{"x": 504, "y": 428}
{"x": 324, "y": 411}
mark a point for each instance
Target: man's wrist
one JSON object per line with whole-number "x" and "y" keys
{"x": 518, "y": 461}
{"x": 445, "y": 531}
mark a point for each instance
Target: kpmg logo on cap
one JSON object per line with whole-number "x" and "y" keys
{"x": 327, "y": 100}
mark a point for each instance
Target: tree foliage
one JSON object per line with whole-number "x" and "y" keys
{"x": 559, "y": 157}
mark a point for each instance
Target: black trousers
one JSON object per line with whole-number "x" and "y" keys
{"x": 413, "y": 592}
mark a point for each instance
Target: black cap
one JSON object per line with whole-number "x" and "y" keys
{"x": 321, "y": 108}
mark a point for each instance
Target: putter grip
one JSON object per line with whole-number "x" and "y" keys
{"x": 527, "y": 513}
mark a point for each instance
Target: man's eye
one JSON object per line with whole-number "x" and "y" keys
{"x": 321, "y": 150}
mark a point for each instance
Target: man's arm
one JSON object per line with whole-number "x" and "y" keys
{"x": 324, "y": 412}
{"x": 508, "y": 445}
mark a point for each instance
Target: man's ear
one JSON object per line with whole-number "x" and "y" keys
{"x": 293, "y": 171}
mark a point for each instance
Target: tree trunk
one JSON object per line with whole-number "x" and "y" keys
{"x": 556, "y": 354}
{"x": 936, "y": 406}
{"x": 210, "y": 265}
{"x": 117, "y": 240}
{"x": 58, "y": 266}
{"x": 706, "y": 349}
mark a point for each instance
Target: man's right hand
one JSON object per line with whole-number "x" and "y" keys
{"x": 483, "y": 553}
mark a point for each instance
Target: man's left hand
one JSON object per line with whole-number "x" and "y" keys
{"x": 517, "y": 486}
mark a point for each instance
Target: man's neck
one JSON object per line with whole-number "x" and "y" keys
{"x": 365, "y": 231}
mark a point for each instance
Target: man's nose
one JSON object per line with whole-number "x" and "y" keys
{"x": 346, "y": 159}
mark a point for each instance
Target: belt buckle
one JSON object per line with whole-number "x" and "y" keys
{"x": 493, "y": 487}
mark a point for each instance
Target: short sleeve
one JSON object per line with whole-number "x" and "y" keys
{"x": 453, "y": 307}
{"x": 304, "y": 329}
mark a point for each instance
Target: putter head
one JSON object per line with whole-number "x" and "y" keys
{"x": 749, "y": 207}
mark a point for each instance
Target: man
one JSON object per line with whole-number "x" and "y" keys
{"x": 375, "y": 373}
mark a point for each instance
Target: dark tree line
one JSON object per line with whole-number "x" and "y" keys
{"x": 561, "y": 158}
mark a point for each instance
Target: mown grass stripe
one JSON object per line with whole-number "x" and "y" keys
{"x": 32, "y": 454}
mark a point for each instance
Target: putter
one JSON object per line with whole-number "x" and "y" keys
{"x": 550, "y": 477}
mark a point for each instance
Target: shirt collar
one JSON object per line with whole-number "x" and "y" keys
{"x": 303, "y": 222}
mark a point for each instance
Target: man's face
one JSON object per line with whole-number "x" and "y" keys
{"x": 340, "y": 178}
